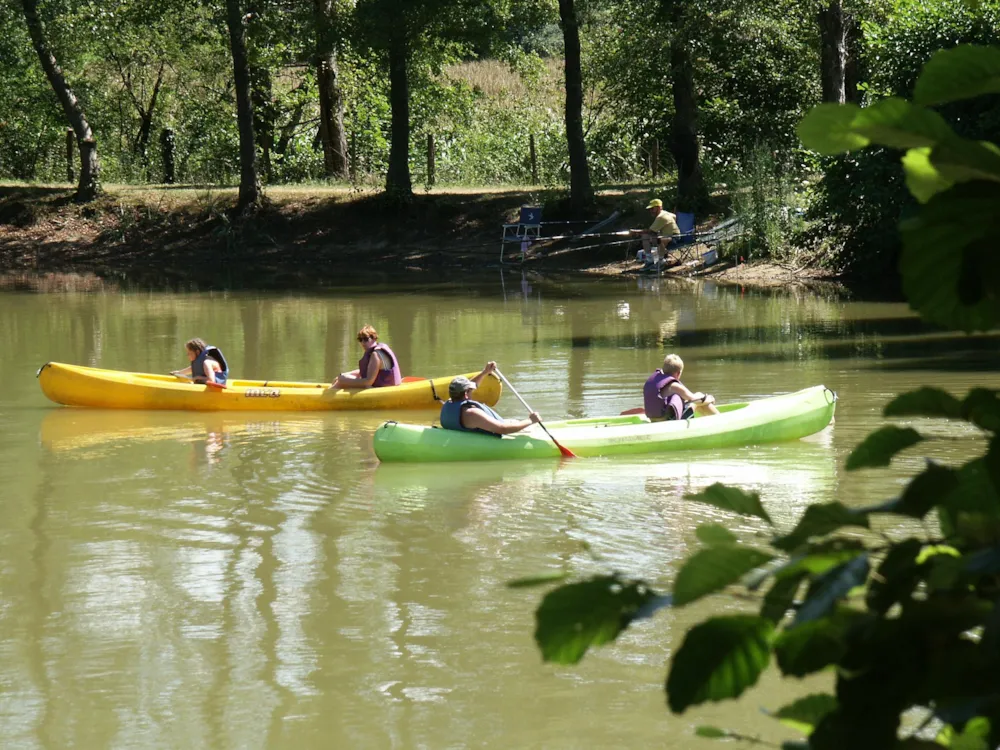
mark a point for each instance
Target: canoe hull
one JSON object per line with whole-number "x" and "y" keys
{"x": 768, "y": 420}
{"x": 74, "y": 385}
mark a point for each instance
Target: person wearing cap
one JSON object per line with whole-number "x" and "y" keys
{"x": 461, "y": 413}
{"x": 663, "y": 228}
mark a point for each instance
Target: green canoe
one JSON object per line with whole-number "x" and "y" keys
{"x": 767, "y": 420}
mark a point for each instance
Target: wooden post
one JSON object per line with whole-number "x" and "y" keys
{"x": 70, "y": 139}
{"x": 430, "y": 160}
{"x": 167, "y": 144}
{"x": 534, "y": 159}
{"x": 656, "y": 158}
{"x": 352, "y": 156}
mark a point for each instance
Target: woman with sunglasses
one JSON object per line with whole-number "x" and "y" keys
{"x": 377, "y": 368}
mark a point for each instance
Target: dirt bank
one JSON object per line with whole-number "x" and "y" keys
{"x": 186, "y": 236}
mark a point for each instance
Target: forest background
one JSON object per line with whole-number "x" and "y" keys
{"x": 694, "y": 101}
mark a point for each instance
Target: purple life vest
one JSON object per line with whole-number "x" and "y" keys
{"x": 656, "y": 405}
{"x": 384, "y": 377}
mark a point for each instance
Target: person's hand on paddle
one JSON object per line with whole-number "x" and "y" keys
{"x": 704, "y": 398}
{"x": 534, "y": 418}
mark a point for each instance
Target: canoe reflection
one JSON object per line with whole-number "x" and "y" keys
{"x": 803, "y": 468}
{"x": 72, "y": 429}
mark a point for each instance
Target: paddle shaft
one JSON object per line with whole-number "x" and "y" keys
{"x": 562, "y": 449}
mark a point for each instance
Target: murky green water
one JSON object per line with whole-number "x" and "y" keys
{"x": 242, "y": 581}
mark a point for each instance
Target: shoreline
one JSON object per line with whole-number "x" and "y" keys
{"x": 184, "y": 237}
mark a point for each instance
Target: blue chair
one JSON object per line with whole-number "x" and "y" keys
{"x": 527, "y": 229}
{"x": 682, "y": 245}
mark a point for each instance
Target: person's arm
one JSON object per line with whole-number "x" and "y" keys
{"x": 185, "y": 371}
{"x": 682, "y": 390}
{"x": 353, "y": 378}
{"x": 477, "y": 419}
{"x": 491, "y": 366}
{"x": 211, "y": 367}
{"x": 373, "y": 367}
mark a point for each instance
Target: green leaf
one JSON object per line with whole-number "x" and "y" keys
{"x": 816, "y": 645}
{"x": 949, "y": 267}
{"x": 574, "y": 617}
{"x": 896, "y": 577}
{"x": 732, "y": 499}
{"x": 975, "y": 736}
{"x": 719, "y": 659}
{"x": 924, "y": 402}
{"x": 828, "y": 129}
{"x": 539, "y": 580}
{"x": 780, "y": 597}
{"x": 982, "y": 408}
{"x": 712, "y": 733}
{"x": 878, "y": 448}
{"x": 820, "y": 520}
{"x": 962, "y": 72}
{"x": 714, "y": 568}
{"x": 893, "y": 122}
{"x": 923, "y": 179}
{"x": 897, "y": 123}
{"x": 963, "y": 160}
{"x": 825, "y": 592}
{"x": 991, "y": 462}
{"x": 804, "y": 714}
{"x": 819, "y": 557}
{"x": 930, "y": 487}
{"x": 713, "y": 534}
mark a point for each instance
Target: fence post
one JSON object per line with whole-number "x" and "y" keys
{"x": 167, "y": 144}
{"x": 352, "y": 157}
{"x": 656, "y": 158}
{"x": 70, "y": 139}
{"x": 430, "y": 160}
{"x": 534, "y": 159}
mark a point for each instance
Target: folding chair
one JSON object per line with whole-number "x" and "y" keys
{"x": 527, "y": 229}
{"x": 682, "y": 245}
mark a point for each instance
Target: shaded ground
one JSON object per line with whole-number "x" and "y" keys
{"x": 178, "y": 236}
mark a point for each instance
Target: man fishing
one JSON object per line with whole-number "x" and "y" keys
{"x": 656, "y": 239}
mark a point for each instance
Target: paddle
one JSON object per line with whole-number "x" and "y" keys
{"x": 566, "y": 452}
{"x": 210, "y": 384}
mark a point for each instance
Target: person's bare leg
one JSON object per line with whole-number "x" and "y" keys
{"x": 706, "y": 410}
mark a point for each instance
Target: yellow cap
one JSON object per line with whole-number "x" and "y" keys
{"x": 655, "y": 203}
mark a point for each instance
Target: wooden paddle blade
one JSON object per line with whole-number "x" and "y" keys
{"x": 636, "y": 410}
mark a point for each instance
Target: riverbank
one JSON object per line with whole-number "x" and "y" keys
{"x": 304, "y": 236}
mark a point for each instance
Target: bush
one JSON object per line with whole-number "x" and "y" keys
{"x": 862, "y": 196}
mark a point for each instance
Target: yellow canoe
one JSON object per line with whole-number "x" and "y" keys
{"x": 74, "y": 385}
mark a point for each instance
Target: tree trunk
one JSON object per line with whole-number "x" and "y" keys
{"x": 581, "y": 194}
{"x": 89, "y": 186}
{"x": 833, "y": 52}
{"x": 331, "y": 97}
{"x": 261, "y": 92}
{"x": 398, "y": 184}
{"x": 250, "y": 192}
{"x": 145, "y": 118}
{"x": 853, "y": 73}
{"x": 691, "y": 192}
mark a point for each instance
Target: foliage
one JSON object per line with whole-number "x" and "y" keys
{"x": 909, "y": 621}
{"x": 862, "y": 196}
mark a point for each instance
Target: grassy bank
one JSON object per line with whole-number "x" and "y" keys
{"x": 305, "y": 235}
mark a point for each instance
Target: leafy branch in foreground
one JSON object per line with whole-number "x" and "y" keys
{"x": 910, "y": 624}
{"x": 906, "y": 642}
